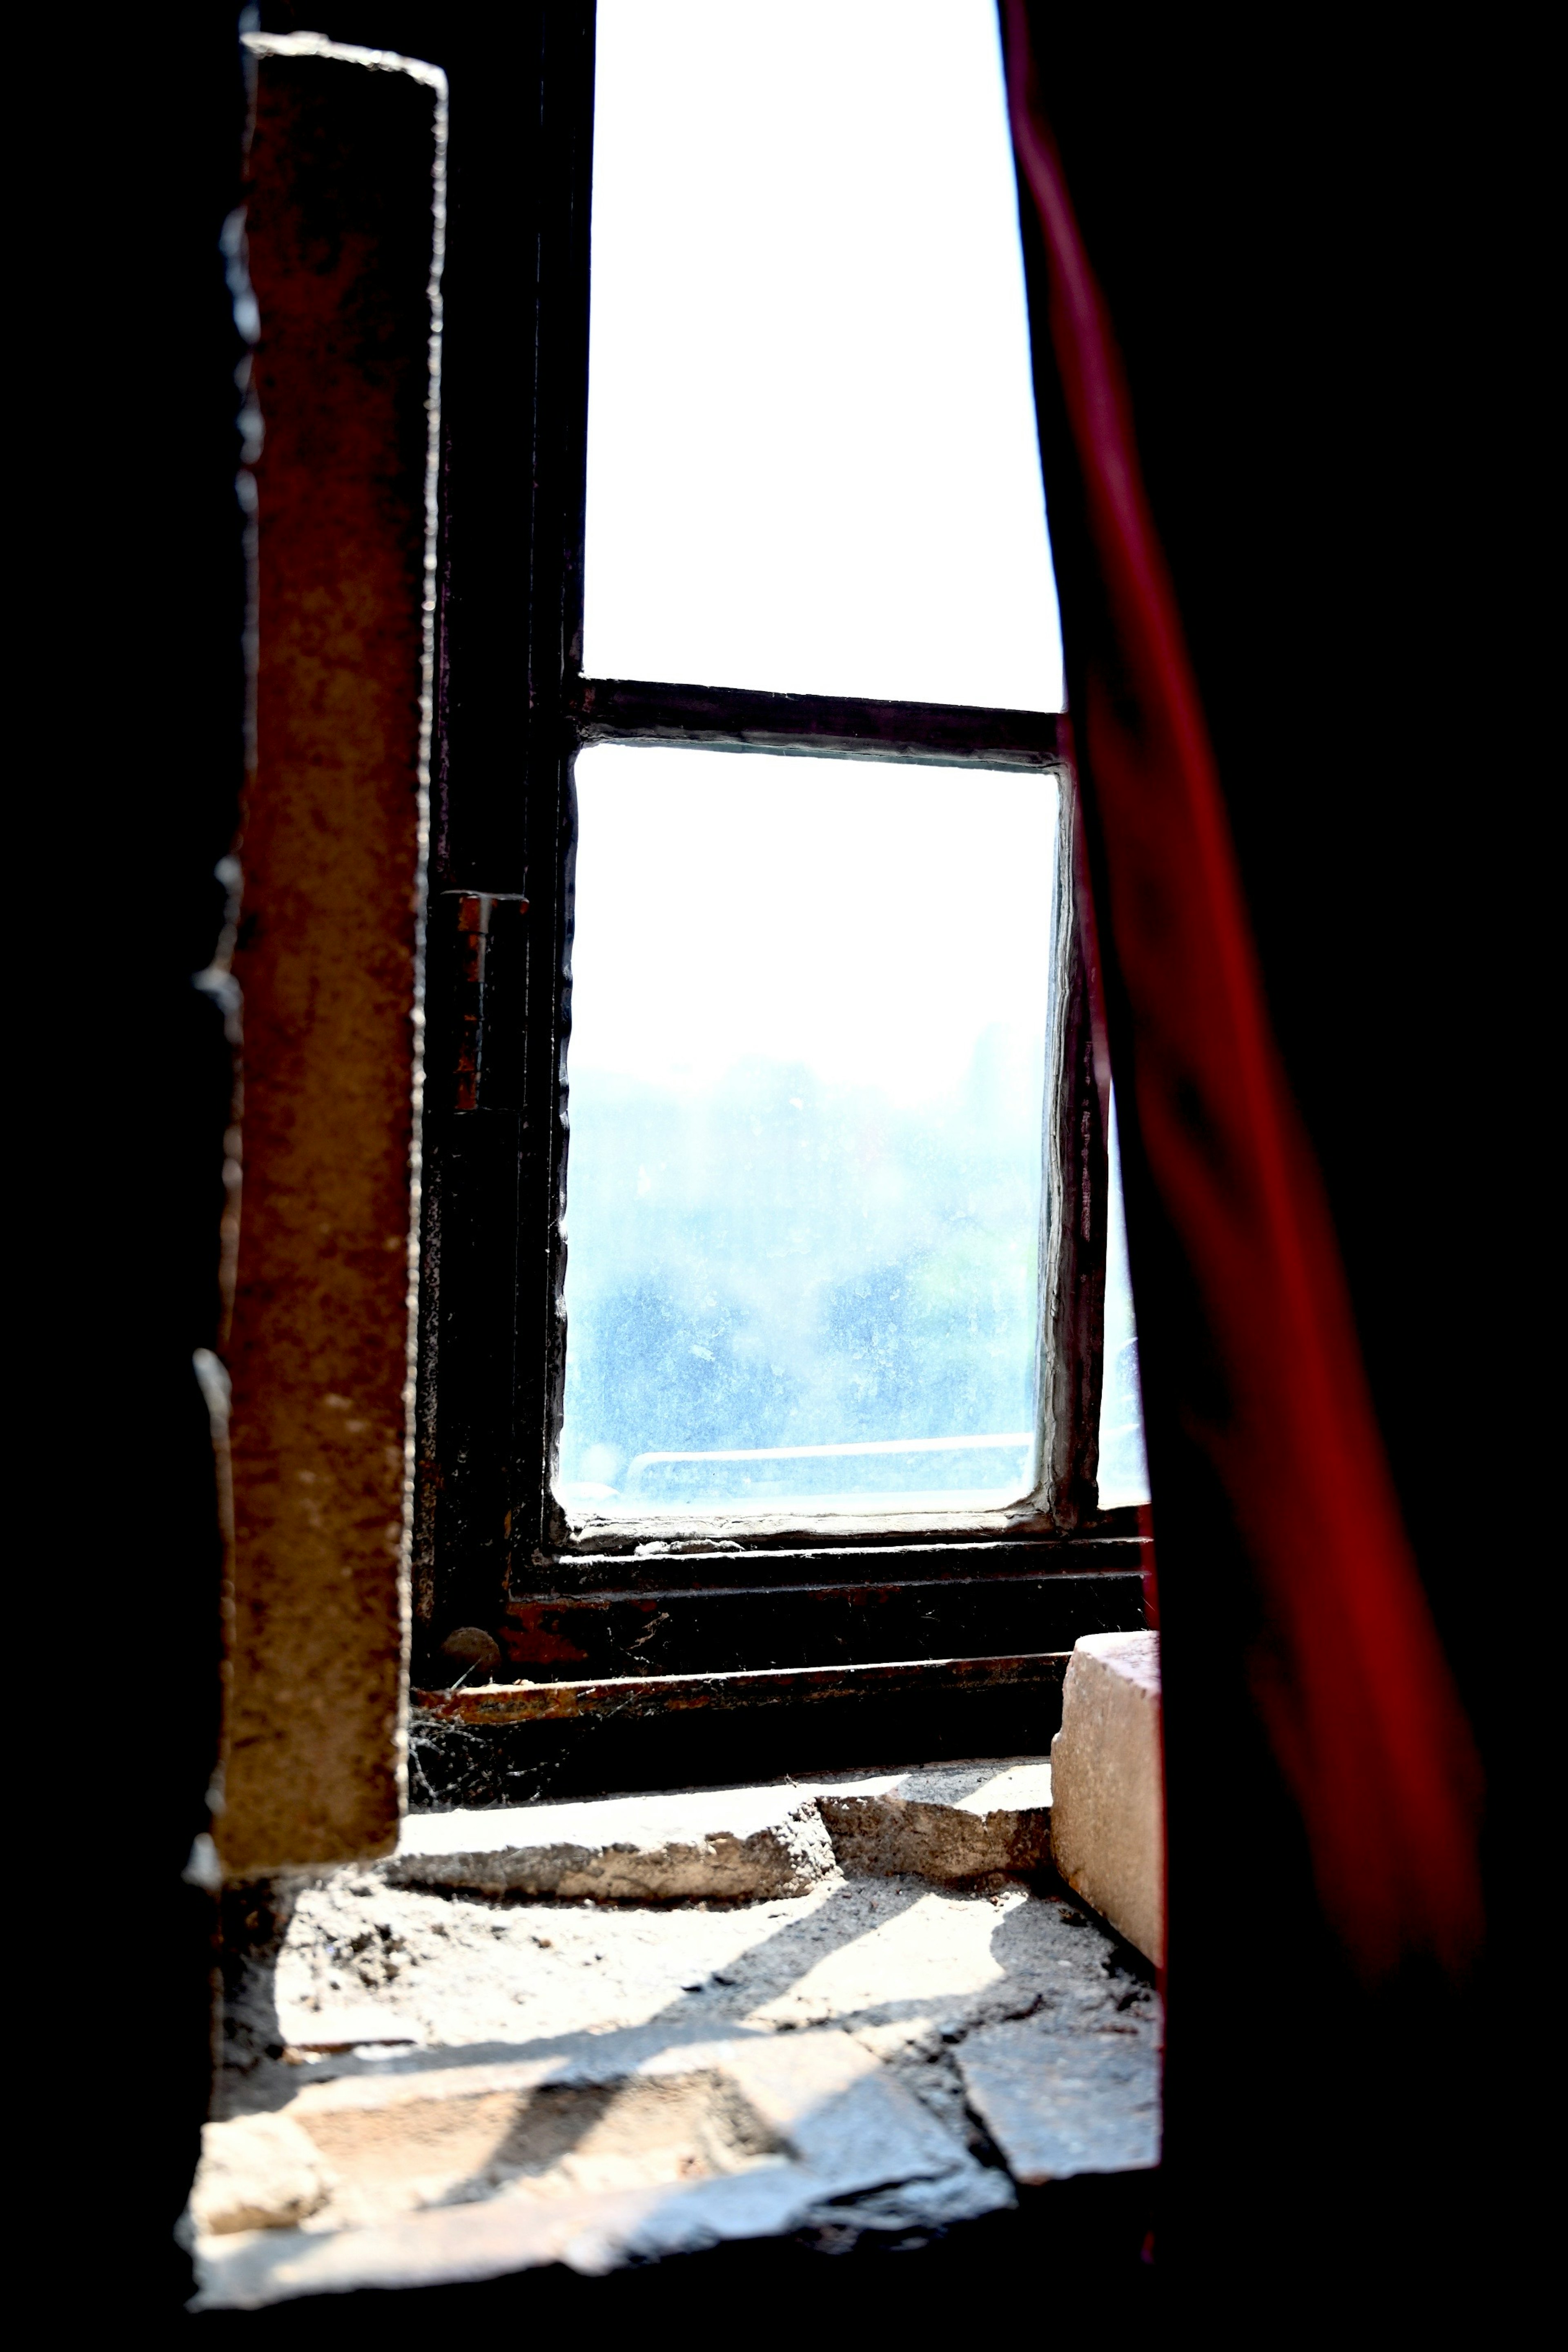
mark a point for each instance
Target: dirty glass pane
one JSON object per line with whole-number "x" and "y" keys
{"x": 811, "y": 452}
{"x": 806, "y": 1071}
{"x": 1124, "y": 1472}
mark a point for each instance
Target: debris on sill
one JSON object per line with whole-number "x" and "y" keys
{"x": 597, "y": 2034}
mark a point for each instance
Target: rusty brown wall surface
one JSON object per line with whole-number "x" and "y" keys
{"x": 339, "y": 226}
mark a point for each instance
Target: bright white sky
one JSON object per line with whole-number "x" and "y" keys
{"x": 812, "y": 467}
{"x": 812, "y": 454}
{"x": 870, "y": 921}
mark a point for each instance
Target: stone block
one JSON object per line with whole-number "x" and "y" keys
{"x": 734, "y": 1844}
{"x": 948, "y": 1822}
{"x": 596, "y": 2157}
{"x": 1107, "y": 1830}
{"x": 340, "y": 230}
{"x": 1057, "y": 2105}
{"x": 257, "y": 2172}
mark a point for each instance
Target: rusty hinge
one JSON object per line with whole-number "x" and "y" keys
{"x": 484, "y": 929}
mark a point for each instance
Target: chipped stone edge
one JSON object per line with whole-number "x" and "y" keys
{"x": 861, "y": 1825}
{"x": 931, "y": 2182}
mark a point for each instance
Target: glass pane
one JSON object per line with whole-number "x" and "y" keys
{"x": 806, "y": 1066}
{"x": 1123, "y": 1470}
{"x": 812, "y": 454}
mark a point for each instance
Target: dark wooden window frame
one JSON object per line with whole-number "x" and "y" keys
{"x": 523, "y": 1622}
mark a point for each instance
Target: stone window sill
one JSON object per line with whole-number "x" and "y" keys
{"x": 596, "y": 2034}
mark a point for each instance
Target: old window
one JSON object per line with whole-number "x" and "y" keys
{"x": 768, "y": 1208}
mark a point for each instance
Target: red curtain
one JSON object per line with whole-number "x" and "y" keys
{"x": 1345, "y": 1667}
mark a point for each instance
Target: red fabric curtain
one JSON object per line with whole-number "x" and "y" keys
{"x": 1345, "y": 1666}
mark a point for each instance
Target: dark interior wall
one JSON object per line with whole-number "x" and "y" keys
{"x": 1292, "y": 222}
{"x": 1313, "y": 234}
{"x": 128, "y": 705}
{"x": 1300, "y": 230}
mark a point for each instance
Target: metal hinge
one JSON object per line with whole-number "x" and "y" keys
{"x": 485, "y": 930}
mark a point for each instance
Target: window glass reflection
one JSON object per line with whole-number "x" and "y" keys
{"x": 812, "y": 454}
{"x": 806, "y": 1071}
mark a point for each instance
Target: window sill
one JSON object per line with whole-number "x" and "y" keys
{"x": 924, "y": 2027}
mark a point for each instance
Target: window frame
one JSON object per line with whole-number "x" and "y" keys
{"x": 494, "y": 1549}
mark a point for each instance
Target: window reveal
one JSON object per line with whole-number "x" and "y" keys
{"x": 980, "y": 1554}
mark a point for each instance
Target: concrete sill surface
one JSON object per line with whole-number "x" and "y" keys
{"x": 766, "y": 2018}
